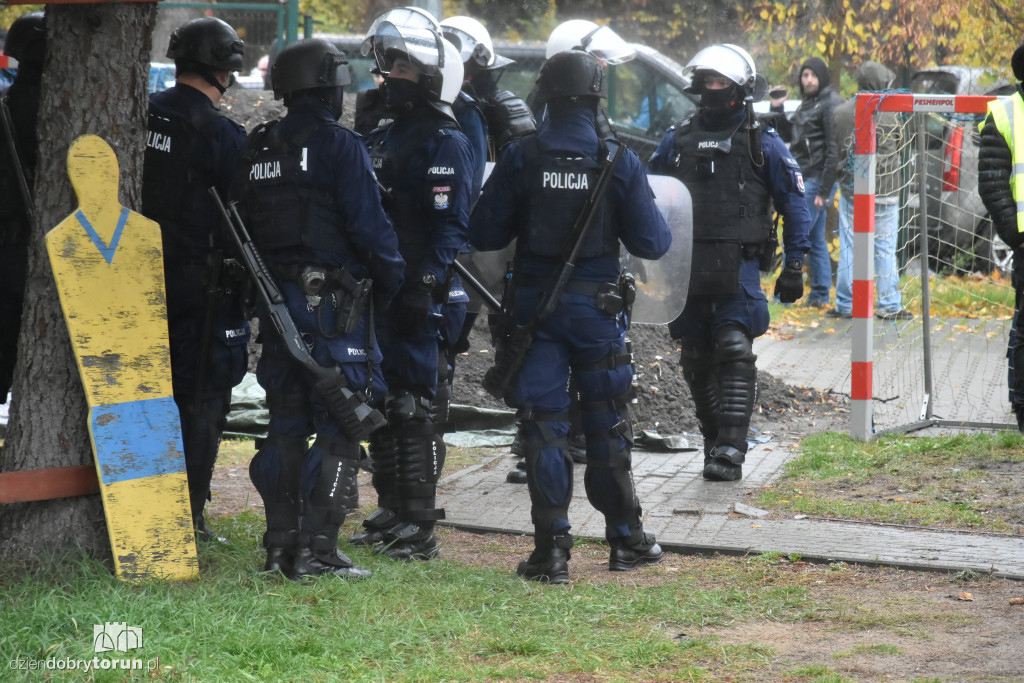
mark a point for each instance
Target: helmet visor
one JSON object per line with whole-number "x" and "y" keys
{"x": 420, "y": 46}
{"x": 412, "y": 17}
{"x": 606, "y": 45}
{"x": 721, "y": 59}
{"x": 464, "y": 42}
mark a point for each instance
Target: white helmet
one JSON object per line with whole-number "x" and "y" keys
{"x": 600, "y": 41}
{"x": 436, "y": 58}
{"x": 731, "y": 61}
{"x": 473, "y": 41}
{"x": 413, "y": 17}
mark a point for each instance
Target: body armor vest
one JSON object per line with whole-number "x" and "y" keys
{"x": 287, "y": 207}
{"x": 405, "y": 198}
{"x": 558, "y": 186}
{"x": 731, "y": 198}
{"x": 175, "y": 192}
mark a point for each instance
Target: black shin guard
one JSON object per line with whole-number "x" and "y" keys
{"x": 384, "y": 456}
{"x": 737, "y": 376}
{"x": 420, "y": 462}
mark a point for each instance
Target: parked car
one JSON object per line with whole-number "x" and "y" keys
{"x": 961, "y": 236}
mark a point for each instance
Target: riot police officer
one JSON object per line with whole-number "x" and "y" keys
{"x": 26, "y": 42}
{"x": 735, "y": 172}
{"x": 611, "y": 50}
{"x": 505, "y": 116}
{"x": 371, "y": 109}
{"x": 536, "y": 194}
{"x": 424, "y": 165}
{"x": 309, "y": 197}
{"x": 191, "y": 146}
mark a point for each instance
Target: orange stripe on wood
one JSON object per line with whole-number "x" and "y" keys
{"x": 46, "y": 484}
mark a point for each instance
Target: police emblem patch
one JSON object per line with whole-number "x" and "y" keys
{"x": 799, "y": 181}
{"x": 441, "y": 200}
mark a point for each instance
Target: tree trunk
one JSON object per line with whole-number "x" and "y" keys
{"x": 95, "y": 81}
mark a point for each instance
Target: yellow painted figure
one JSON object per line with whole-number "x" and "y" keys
{"x": 108, "y": 265}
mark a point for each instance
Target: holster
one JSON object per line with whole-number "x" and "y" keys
{"x": 349, "y": 296}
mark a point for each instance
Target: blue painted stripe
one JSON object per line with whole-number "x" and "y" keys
{"x": 137, "y": 439}
{"x": 104, "y": 249}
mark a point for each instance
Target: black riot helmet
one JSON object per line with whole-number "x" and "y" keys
{"x": 208, "y": 41}
{"x": 26, "y": 39}
{"x": 572, "y": 73}
{"x": 308, "y": 64}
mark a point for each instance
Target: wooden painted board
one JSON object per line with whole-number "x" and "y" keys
{"x": 108, "y": 264}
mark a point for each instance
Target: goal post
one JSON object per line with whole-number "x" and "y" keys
{"x": 865, "y": 332}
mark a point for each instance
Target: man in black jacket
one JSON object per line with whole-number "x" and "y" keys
{"x": 813, "y": 145}
{"x": 1001, "y": 186}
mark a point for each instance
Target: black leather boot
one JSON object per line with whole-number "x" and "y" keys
{"x": 409, "y": 541}
{"x": 281, "y": 546}
{"x": 319, "y": 556}
{"x": 375, "y": 526}
{"x": 634, "y": 551}
{"x": 549, "y": 561}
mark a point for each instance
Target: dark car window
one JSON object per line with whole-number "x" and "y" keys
{"x": 934, "y": 83}
{"x": 641, "y": 102}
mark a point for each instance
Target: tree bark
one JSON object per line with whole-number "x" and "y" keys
{"x": 94, "y": 81}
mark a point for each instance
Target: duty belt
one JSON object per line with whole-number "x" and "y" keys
{"x": 584, "y": 287}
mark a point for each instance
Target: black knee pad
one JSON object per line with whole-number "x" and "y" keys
{"x": 733, "y": 345}
{"x": 543, "y": 436}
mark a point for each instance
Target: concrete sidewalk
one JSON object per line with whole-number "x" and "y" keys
{"x": 689, "y": 514}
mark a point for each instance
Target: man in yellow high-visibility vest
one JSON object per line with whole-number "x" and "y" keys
{"x": 1001, "y": 186}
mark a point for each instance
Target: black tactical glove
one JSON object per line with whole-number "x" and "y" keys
{"x": 411, "y": 307}
{"x": 790, "y": 285}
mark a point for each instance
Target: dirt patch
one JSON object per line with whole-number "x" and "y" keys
{"x": 663, "y": 399}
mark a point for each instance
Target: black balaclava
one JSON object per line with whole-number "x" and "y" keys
{"x": 400, "y": 94}
{"x": 335, "y": 99}
{"x": 720, "y": 101}
{"x": 485, "y": 82}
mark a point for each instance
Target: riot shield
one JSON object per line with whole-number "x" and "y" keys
{"x": 661, "y": 285}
